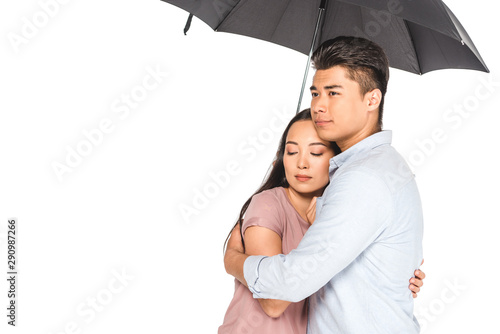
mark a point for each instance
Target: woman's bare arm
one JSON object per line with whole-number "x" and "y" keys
{"x": 263, "y": 241}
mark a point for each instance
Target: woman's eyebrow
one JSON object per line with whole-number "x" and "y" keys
{"x": 311, "y": 144}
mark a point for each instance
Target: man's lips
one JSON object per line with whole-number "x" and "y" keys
{"x": 321, "y": 122}
{"x": 301, "y": 177}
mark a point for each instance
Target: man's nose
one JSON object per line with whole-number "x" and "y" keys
{"x": 319, "y": 105}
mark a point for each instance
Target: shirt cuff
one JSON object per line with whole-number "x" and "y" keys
{"x": 251, "y": 272}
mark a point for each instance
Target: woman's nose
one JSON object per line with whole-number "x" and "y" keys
{"x": 302, "y": 163}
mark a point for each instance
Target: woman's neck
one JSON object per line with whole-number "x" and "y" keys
{"x": 300, "y": 201}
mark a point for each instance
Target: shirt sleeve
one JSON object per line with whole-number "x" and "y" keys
{"x": 265, "y": 211}
{"x": 356, "y": 208}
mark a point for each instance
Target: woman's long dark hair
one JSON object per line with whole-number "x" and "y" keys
{"x": 277, "y": 177}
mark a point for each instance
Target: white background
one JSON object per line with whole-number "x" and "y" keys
{"x": 119, "y": 209}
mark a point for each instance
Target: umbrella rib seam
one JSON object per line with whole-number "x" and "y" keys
{"x": 282, "y": 14}
{"x": 413, "y": 46}
{"x": 228, "y": 14}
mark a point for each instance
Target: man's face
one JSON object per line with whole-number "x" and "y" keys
{"x": 339, "y": 111}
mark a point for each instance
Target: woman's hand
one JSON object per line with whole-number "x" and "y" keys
{"x": 311, "y": 211}
{"x": 417, "y": 282}
{"x": 235, "y": 242}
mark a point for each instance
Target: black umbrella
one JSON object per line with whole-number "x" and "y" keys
{"x": 418, "y": 36}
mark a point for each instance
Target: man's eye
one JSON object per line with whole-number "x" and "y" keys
{"x": 334, "y": 93}
{"x": 314, "y": 94}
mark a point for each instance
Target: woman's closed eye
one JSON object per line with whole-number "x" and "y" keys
{"x": 291, "y": 153}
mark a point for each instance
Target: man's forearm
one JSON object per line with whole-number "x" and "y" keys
{"x": 233, "y": 262}
{"x": 347, "y": 224}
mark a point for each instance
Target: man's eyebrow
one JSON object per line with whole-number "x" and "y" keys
{"x": 334, "y": 86}
{"x": 328, "y": 87}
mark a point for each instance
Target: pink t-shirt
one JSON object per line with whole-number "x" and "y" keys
{"x": 273, "y": 210}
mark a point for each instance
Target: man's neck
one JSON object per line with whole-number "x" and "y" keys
{"x": 349, "y": 142}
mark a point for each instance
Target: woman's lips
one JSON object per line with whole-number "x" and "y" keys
{"x": 302, "y": 178}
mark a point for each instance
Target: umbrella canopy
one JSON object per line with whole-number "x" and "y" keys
{"x": 417, "y": 36}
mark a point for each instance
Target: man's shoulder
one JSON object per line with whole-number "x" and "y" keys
{"x": 383, "y": 163}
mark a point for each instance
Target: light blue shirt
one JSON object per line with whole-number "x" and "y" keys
{"x": 356, "y": 260}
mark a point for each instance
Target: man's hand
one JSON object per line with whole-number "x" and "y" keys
{"x": 311, "y": 211}
{"x": 235, "y": 256}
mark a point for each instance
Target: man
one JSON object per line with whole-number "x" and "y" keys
{"x": 366, "y": 240}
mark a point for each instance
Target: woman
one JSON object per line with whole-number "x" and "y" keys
{"x": 276, "y": 218}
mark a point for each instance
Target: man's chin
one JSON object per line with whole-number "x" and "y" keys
{"x": 326, "y": 134}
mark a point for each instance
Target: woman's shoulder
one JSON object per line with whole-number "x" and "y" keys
{"x": 274, "y": 196}
{"x": 266, "y": 210}
{"x": 270, "y": 195}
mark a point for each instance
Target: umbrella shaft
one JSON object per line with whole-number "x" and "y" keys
{"x": 320, "y": 13}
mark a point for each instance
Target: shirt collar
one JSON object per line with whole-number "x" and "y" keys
{"x": 369, "y": 143}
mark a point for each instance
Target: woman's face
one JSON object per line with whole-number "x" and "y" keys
{"x": 306, "y": 159}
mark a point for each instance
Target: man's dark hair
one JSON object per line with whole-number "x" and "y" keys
{"x": 364, "y": 61}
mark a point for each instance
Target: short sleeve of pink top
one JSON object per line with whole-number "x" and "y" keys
{"x": 270, "y": 209}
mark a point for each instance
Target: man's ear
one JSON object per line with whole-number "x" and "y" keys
{"x": 373, "y": 99}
